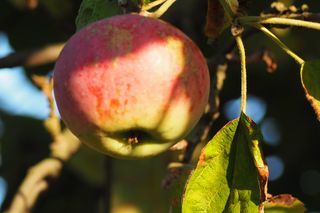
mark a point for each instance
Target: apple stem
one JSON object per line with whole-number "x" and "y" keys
{"x": 160, "y": 11}
{"x": 242, "y": 54}
{"x": 152, "y": 4}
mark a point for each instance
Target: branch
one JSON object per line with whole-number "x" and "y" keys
{"x": 32, "y": 58}
{"x": 210, "y": 117}
{"x": 36, "y": 181}
{"x": 64, "y": 145}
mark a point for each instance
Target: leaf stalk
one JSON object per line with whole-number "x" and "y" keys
{"x": 242, "y": 54}
{"x": 249, "y": 20}
{"x": 273, "y": 37}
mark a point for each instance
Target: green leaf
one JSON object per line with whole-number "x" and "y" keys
{"x": 226, "y": 178}
{"x": 284, "y": 204}
{"x": 93, "y": 10}
{"x": 310, "y": 78}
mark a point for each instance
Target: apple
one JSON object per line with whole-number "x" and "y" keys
{"x": 130, "y": 86}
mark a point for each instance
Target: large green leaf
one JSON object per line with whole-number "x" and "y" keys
{"x": 93, "y": 10}
{"x": 284, "y": 204}
{"x": 227, "y": 176}
{"x": 310, "y": 78}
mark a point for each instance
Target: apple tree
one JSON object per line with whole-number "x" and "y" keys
{"x": 139, "y": 96}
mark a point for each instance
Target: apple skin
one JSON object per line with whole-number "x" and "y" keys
{"x": 130, "y": 86}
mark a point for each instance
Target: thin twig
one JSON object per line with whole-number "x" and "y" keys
{"x": 268, "y": 33}
{"x": 280, "y": 21}
{"x": 262, "y": 54}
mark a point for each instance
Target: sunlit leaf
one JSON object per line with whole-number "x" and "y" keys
{"x": 310, "y": 78}
{"x": 284, "y": 203}
{"x": 93, "y": 10}
{"x": 226, "y": 178}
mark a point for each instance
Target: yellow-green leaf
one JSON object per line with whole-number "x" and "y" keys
{"x": 227, "y": 178}
{"x": 310, "y": 78}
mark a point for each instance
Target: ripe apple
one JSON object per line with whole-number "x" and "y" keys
{"x": 130, "y": 86}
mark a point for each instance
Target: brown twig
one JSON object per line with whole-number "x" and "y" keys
{"x": 213, "y": 113}
{"x": 32, "y": 58}
{"x": 64, "y": 145}
{"x": 262, "y": 54}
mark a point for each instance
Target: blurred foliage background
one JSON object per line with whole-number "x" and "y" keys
{"x": 277, "y": 103}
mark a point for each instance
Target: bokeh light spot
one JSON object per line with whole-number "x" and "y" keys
{"x": 3, "y": 190}
{"x": 309, "y": 182}
{"x": 271, "y": 131}
{"x": 276, "y": 167}
{"x": 256, "y": 108}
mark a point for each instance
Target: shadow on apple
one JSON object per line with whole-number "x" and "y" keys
{"x": 131, "y": 86}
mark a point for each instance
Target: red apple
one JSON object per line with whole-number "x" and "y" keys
{"x": 131, "y": 86}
